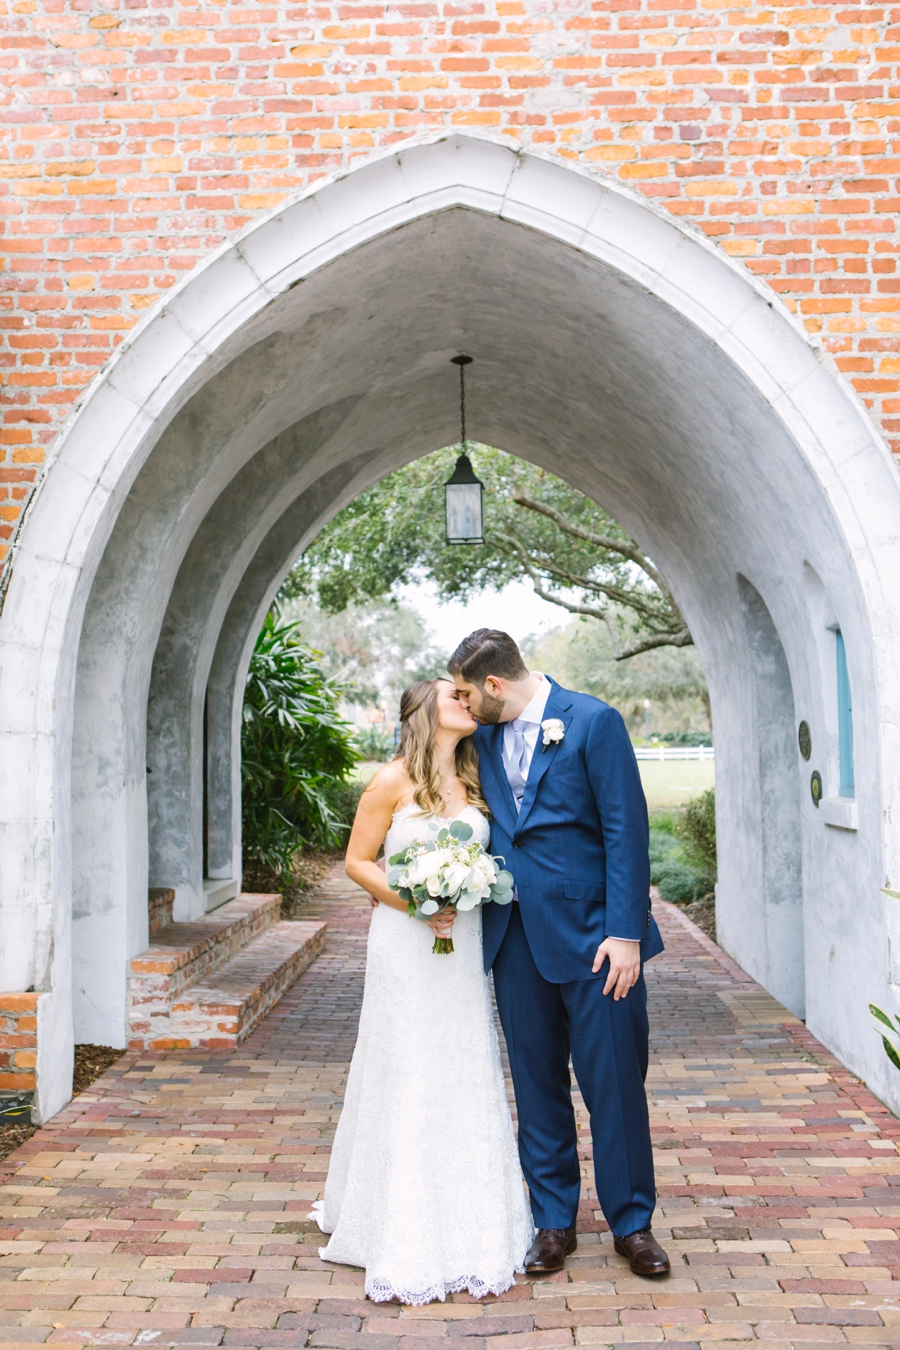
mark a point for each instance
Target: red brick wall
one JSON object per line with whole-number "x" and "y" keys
{"x": 18, "y": 1041}
{"x": 140, "y": 135}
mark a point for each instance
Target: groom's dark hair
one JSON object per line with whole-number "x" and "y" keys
{"x": 486, "y": 652}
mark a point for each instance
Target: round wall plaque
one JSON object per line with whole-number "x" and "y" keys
{"x": 805, "y": 740}
{"x": 815, "y": 786}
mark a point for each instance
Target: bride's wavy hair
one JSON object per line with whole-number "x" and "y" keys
{"x": 418, "y": 728}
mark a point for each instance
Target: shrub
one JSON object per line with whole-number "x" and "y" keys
{"x": 696, "y": 832}
{"x": 680, "y": 884}
{"x": 663, "y": 821}
{"x": 346, "y": 800}
{"x": 662, "y": 846}
{"x": 679, "y": 870}
{"x": 676, "y": 882}
{"x": 686, "y": 738}
{"x": 296, "y": 752}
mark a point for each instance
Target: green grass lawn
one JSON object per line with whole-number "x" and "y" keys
{"x": 674, "y": 782}
{"x": 666, "y": 785}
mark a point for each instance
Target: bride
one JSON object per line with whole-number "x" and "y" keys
{"x": 424, "y": 1189}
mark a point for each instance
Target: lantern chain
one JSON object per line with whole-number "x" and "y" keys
{"x": 462, "y": 404}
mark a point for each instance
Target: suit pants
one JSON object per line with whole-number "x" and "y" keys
{"x": 544, "y": 1024}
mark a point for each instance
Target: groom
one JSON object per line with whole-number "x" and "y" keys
{"x": 569, "y": 817}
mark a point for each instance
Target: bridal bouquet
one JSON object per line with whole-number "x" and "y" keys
{"x": 447, "y": 871}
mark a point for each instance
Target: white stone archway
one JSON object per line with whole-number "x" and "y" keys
{"x": 309, "y": 357}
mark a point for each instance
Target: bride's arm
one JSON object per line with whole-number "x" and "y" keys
{"x": 373, "y": 820}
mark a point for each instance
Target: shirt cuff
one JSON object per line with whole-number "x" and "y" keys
{"x": 618, "y": 939}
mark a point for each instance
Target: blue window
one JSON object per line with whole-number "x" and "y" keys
{"x": 845, "y": 720}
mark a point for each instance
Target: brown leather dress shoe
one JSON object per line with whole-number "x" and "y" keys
{"x": 549, "y": 1250}
{"x": 645, "y": 1255}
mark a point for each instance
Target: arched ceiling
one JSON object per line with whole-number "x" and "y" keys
{"x": 577, "y": 367}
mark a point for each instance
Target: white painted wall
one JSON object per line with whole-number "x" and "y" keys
{"x": 310, "y": 357}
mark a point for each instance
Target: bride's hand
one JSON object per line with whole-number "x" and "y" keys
{"x": 440, "y": 924}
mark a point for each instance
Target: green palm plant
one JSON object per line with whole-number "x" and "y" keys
{"x": 893, "y": 1026}
{"x": 296, "y": 751}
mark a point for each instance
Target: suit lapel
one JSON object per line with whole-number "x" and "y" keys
{"x": 506, "y": 801}
{"x": 543, "y": 756}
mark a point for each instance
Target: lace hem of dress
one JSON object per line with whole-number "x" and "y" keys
{"x": 379, "y": 1291}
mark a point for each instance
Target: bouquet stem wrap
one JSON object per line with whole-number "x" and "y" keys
{"x": 447, "y": 871}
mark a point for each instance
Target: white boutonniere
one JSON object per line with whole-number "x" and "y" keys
{"x": 554, "y": 730}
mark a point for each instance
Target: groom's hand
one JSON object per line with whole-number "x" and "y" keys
{"x": 624, "y": 965}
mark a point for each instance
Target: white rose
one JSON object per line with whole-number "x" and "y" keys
{"x": 429, "y": 865}
{"x": 455, "y": 876}
{"x": 554, "y": 730}
{"x": 486, "y": 869}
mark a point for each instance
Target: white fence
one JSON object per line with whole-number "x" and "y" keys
{"x": 668, "y": 752}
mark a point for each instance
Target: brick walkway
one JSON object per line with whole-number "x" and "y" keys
{"x": 167, "y": 1205}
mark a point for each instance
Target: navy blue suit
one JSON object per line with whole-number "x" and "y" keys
{"x": 578, "y": 851}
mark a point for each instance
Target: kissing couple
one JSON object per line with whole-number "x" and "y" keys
{"x": 425, "y": 1189}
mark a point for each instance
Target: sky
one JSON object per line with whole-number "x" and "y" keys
{"x": 516, "y": 609}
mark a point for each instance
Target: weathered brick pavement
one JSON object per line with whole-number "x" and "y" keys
{"x": 167, "y": 1206}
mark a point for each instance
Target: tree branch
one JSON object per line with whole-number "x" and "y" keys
{"x": 626, "y": 548}
{"x": 654, "y": 613}
{"x": 682, "y": 639}
{"x": 676, "y": 636}
{"x": 632, "y": 599}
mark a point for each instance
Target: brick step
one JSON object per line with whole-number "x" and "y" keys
{"x": 182, "y": 955}
{"x": 160, "y": 900}
{"x": 220, "y": 1013}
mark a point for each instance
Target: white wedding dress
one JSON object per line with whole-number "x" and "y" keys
{"x": 424, "y": 1189}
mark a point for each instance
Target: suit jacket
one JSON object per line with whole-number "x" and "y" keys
{"x": 578, "y": 849}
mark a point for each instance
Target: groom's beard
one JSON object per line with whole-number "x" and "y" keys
{"x": 491, "y": 710}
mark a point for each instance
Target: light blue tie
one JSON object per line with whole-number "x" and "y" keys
{"x": 519, "y": 763}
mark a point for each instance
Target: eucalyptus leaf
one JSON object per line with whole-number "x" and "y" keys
{"x": 465, "y": 832}
{"x": 398, "y": 859}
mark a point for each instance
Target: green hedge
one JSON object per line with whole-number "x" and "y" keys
{"x": 683, "y": 850}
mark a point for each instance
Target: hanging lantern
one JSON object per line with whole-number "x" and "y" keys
{"x": 463, "y": 505}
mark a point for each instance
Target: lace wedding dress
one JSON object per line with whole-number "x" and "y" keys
{"x": 424, "y": 1188}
